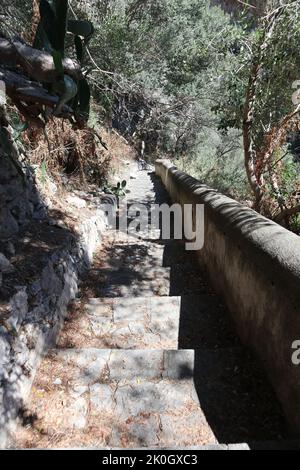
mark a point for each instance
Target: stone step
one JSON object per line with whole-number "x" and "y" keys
{"x": 134, "y": 281}
{"x": 148, "y": 237}
{"x": 128, "y": 252}
{"x": 187, "y": 322}
{"x": 241, "y": 446}
{"x": 143, "y": 279}
{"x": 153, "y": 251}
{"x": 149, "y": 398}
{"x": 148, "y": 394}
{"x": 111, "y": 398}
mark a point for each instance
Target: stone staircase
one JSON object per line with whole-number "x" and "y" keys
{"x": 148, "y": 357}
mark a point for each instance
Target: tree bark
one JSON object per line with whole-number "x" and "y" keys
{"x": 287, "y": 213}
{"x": 253, "y": 164}
{"x": 249, "y": 146}
{"x": 21, "y": 89}
{"x": 36, "y": 64}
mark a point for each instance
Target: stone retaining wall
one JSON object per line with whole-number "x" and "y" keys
{"x": 255, "y": 265}
{"x": 19, "y": 198}
{"x": 36, "y": 315}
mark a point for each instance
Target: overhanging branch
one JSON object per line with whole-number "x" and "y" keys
{"x": 20, "y": 88}
{"x": 287, "y": 213}
{"x": 36, "y": 64}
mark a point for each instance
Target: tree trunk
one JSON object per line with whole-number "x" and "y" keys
{"x": 253, "y": 164}
{"x": 249, "y": 147}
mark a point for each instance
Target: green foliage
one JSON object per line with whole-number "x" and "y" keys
{"x": 218, "y": 162}
{"x": 43, "y": 172}
{"x": 118, "y": 190}
{"x": 18, "y": 126}
{"x": 15, "y": 17}
{"x": 279, "y": 69}
{"x": 174, "y": 74}
{"x": 51, "y": 36}
{"x": 290, "y": 173}
{"x": 295, "y": 224}
{"x": 167, "y": 56}
{"x": 167, "y": 67}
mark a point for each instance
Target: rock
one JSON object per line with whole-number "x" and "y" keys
{"x": 13, "y": 190}
{"x": 30, "y": 336}
{"x": 52, "y": 187}
{"x": 21, "y": 209}
{"x": 34, "y": 313}
{"x": 19, "y": 308}
{"x": 35, "y": 288}
{"x": 34, "y": 196}
{"x": 5, "y": 264}
{"x": 76, "y": 202}
{"x": 8, "y": 224}
{"x": 78, "y": 413}
{"x": 10, "y": 249}
{"x": 57, "y": 381}
{"x": 40, "y": 212}
{"x": 4, "y": 352}
{"x": 8, "y": 172}
{"x": 50, "y": 282}
{"x": 56, "y": 223}
{"x": 79, "y": 390}
{"x": 22, "y": 354}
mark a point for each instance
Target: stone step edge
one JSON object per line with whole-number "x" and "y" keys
{"x": 159, "y": 450}
{"x": 144, "y": 297}
{"x": 260, "y": 445}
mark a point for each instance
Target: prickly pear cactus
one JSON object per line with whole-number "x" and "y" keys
{"x": 51, "y": 37}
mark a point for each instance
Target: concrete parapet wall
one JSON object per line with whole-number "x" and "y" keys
{"x": 255, "y": 265}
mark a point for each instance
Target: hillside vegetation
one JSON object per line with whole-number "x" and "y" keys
{"x": 209, "y": 84}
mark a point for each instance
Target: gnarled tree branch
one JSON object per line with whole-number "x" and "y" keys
{"x": 36, "y": 64}
{"x": 22, "y": 89}
{"x": 287, "y": 213}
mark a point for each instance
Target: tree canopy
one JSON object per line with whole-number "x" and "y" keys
{"x": 217, "y": 92}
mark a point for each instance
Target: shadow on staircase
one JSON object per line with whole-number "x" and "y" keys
{"x": 234, "y": 393}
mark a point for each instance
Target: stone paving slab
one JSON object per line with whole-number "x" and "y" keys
{"x": 211, "y": 447}
{"x": 100, "y": 398}
{"x": 153, "y": 250}
{"x": 150, "y": 322}
{"x": 129, "y": 282}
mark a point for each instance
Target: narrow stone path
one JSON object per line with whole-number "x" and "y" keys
{"x": 148, "y": 356}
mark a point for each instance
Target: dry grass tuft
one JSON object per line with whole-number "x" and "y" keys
{"x": 78, "y": 156}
